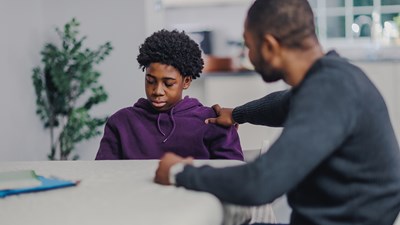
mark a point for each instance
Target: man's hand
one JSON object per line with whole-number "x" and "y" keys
{"x": 165, "y": 164}
{"x": 224, "y": 116}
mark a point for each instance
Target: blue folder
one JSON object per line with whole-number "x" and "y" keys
{"x": 47, "y": 184}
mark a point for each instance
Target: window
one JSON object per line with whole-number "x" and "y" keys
{"x": 354, "y": 19}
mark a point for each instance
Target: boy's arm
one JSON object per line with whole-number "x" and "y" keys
{"x": 223, "y": 142}
{"x": 109, "y": 145}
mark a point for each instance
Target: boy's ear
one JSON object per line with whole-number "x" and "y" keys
{"x": 186, "y": 82}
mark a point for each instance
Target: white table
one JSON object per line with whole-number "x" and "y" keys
{"x": 110, "y": 192}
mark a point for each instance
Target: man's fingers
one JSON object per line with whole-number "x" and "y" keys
{"x": 211, "y": 120}
{"x": 188, "y": 160}
{"x": 157, "y": 175}
{"x": 217, "y": 109}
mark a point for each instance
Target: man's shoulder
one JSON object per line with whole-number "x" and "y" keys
{"x": 341, "y": 67}
{"x": 335, "y": 71}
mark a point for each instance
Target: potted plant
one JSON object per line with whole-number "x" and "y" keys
{"x": 67, "y": 88}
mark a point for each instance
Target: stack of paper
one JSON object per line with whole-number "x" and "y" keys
{"x": 25, "y": 181}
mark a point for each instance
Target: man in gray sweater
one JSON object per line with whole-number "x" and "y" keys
{"x": 337, "y": 158}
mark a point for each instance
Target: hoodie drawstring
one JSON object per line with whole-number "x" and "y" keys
{"x": 158, "y": 124}
{"x": 173, "y": 125}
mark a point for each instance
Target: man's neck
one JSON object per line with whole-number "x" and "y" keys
{"x": 299, "y": 62}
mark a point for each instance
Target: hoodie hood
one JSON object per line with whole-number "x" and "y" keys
{"x": 186, "y": 104}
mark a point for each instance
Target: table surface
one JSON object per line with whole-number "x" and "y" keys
{"x": 111, "y": 192}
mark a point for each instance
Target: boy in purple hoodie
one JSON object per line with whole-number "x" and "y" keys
{"x": 166, "y": 122}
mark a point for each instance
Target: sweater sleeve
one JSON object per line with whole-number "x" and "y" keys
{"x": 223, "y": 143}
{"x": 270, "y": 110}
{"x": 320, "y": 119}
{"x": 109, "y": 145}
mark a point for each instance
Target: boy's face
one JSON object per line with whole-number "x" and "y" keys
{"x": 164, "y": 85}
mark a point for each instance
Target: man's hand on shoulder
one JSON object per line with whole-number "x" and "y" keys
{"x": 166, "y": 162}
{"x": 224, "y": 116}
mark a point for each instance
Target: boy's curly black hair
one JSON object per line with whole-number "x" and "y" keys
{"x": 172, "y": 48}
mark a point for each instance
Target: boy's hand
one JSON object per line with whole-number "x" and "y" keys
{"x": 166, "y": 162}
{"x": 224, "y": 116}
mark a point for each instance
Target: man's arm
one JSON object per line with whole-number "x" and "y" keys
{"x": 321, "y": 118}
{"x": 170, "y": 164}
{"x": 270, "y": 110}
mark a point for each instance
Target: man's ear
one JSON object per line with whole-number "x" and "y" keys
{"x": 187, "y": 81}
{"x": 271, "y": 50}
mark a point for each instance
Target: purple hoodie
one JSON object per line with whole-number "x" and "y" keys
{"x": 141, "y": 132}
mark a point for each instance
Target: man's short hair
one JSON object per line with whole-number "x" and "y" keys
{"x": 172, "y": 48}
{"x": 289, "y": 21}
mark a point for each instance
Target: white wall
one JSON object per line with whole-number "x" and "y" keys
{"x": 21, "y": 135}
{"x": 26, "y": 26}
{"x": 225, "y": 21}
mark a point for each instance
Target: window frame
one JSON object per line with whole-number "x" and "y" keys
{"x": 322, "y": 12}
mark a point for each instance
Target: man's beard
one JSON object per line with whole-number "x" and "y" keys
{"x": 267, "y": 73}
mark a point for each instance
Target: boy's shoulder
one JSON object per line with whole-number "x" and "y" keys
{"x": 194, "y": 106}
{"x": 207, "y": 111}
{"x": 140, "y": 105}
{"x": 122, "y": 113}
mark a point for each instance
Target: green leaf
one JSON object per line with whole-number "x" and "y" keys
{"x": 67, "y": 77}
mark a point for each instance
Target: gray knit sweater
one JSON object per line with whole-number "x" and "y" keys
{"x": 337, "y": 157}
